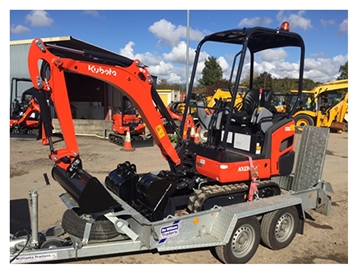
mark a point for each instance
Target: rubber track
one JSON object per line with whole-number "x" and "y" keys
{"x": 117, "y": 139}
{"x": 197, "y": 199}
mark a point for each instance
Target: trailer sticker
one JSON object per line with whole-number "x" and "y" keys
{"x": 169, "y": 231}
{"x": 36, "y": 258}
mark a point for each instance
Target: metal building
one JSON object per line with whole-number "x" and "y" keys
{"x": 89, "y": 97}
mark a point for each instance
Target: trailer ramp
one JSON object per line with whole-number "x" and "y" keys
{"x": 310, "y": 147}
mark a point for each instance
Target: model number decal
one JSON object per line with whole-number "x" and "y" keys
{"x": 244, "y": 169}
{"x": 99, "y": 70}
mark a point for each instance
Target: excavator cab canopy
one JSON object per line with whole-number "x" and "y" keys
{"x": 248, "y": 46}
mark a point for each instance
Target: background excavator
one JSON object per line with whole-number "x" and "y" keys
{"x": 324, "y": 106}
{"x": 25, "y": 122}
{"x": 244, "y": 149}
{"x": 128, "y": 120}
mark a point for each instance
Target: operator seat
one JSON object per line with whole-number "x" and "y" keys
{"x": 249, "y": 103}
{"x": 205, "y": 118}
{"x": 254, "y": 111}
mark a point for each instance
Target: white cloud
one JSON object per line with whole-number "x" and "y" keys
{"x": 327, "y": 22}
{"x": 273, "y": 55}
{"x": 178, "y": 54}
{"x": 128, "y": 50}
{"x": 295, "y": 19}
{"x": 255, "y": 21}
{"x": 39, "y": 18}
{"x": 224, "y": 65}
{"x": 146, "y": 58}
{"x": 171, "y": 65}
{"x": 324, "y": 69}
{"x": 19, "y": 29}
{"x": 93, "y": 13}
{"x": 169, "y": 34}
{"x": 343, "y": 28}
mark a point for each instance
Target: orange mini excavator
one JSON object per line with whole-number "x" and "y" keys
{"x": 217, "y": 193}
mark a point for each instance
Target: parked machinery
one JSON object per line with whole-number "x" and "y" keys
{"x": 25, "y": 121}
{"x": 128, "y": 120}
{"x": 218, "y": 193}
{"x": 324, "y": 106}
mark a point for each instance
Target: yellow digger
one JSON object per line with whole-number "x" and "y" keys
{"x": 225, "y": 95}
{"x": 324, "y": 106}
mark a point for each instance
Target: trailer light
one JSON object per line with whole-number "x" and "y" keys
{"x": 285, "y": 26}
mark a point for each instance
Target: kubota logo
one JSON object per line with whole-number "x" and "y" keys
{"x": 100, "y": 70}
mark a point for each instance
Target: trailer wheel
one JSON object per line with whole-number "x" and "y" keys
{"x": 101, "y": 228}
{"x": 301, "y": 121}
{"x": 243, "y": 243}
{"x": 278, "y": 228}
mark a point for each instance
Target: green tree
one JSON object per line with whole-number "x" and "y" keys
{"x": 264, "y": 81}
{"x": 223, "y": 84}
{"x": 343, "y": 71}
{"x": 163, "y": 84}
{"x": 283, "y": 85}
{"x": 211, "y": 73}
{"x": 309, "y": 84}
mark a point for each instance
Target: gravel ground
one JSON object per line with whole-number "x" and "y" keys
{"x": 325, "y": 238}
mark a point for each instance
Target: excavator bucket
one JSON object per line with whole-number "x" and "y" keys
{"x": 87, "y": 190}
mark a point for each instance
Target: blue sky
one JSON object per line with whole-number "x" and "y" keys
{"x": 158, "y": 37}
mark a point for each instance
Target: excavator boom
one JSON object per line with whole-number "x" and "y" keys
{"x": 125, "y": 74}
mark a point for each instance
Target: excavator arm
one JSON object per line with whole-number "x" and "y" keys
{"x": 129, "y": 76}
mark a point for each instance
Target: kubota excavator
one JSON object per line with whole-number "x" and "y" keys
{"x": 127, "y": 120}
{"x": 245, "y": 148}
{"x": 25, "y": 122}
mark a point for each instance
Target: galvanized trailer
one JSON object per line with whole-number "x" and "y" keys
{"x": 235, "y": 230}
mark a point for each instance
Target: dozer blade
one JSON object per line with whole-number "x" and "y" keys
{"x": 24, "y": 136}
{"x": 142, "y": 143}
{"x": 136, "y": 142}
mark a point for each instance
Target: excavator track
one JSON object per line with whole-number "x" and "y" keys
{"x": 200, "y": 196}
{"x": 136, "y": 141}
{"x": 117, "y": 139}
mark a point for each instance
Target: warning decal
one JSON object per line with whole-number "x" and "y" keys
{"x": 160, "y": 131}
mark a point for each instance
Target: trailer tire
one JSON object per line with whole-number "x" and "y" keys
{"x": 301, "y": 121}
{"x": 279, "y": 227}
{"x": 101, "y": 228}
{"x": 243, "y": 243}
